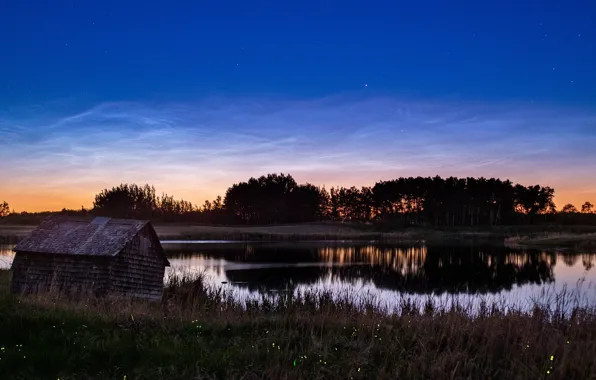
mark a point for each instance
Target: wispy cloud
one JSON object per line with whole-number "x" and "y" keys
{"x": 196, "y": 149}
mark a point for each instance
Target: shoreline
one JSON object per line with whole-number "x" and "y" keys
{"x": 538, "y": 237}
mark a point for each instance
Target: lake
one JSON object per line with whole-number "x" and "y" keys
{"x": 382, "y": 272}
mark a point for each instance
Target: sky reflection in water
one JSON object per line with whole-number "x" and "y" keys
{"x": 385, "y": 272}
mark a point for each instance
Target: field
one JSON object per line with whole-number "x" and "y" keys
{"x": 198, "y": 332}
{"x": 526, "y": 236}
{"x": 322, "y": 231}
{"x": 9, "y": 233}
{"x": 560, "y": 240}
{"x": 310, "y": 231}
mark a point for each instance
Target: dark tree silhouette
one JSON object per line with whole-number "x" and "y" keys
{"x": 533, "y": 200}
{"x": 458, "y": 201}
{"x": 133, "y": 201}
{"x": 275, "y": 198}
{"x": 569, "y": 209}
{"x": 278, "y": 198}
{"x": 307, "y": 203}
{"x": 351, "y": 203}
{"x": 4, "y": 209}
{"x": 126, "y": 201}
{"x": 587, "y": 208}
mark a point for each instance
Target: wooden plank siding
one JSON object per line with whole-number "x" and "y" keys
{"x": 138, "y": 269}
{"x": 33, "y": 272}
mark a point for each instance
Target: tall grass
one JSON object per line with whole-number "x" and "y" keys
{"x": 553, "y": 239}
{"x": 340, "y": 231}
{"x": 200, "y": 331}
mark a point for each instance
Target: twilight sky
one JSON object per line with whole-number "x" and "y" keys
{"x": 192, "y": 96}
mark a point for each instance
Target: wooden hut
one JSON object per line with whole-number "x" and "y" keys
{"x": 100, "y": 255}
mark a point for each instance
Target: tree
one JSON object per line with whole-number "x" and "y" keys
{"x": 263, "y": 200}
{"x": 277, "y": 198}
{"x": 533, "y": 200}
{"x": 4, "y": 209}
{"x": 569, "y": 209}
{"x": 587, "y": 208}
{"x": 134, "y": 201}
{"x": 306, "y": 203}
{"x": 126, "y": 201}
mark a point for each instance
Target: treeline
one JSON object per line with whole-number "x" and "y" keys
{"x": 277, "y": 198}
{"x": 140, "y": 202}
{"x": 4, "y": 209}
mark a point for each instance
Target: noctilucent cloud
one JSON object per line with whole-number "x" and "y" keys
{"x": 193, "y": 96}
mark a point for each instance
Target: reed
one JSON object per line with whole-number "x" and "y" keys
{"x": 553, "y": 240}
{"x": 199, "y": 331}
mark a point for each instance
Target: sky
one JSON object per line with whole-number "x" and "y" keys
{"x": 193, "y": 96}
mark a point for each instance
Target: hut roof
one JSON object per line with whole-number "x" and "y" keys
{"x": 75, "y": 236}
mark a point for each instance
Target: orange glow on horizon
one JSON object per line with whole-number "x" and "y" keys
{"x": 55, "y": 199}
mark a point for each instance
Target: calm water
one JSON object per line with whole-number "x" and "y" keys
{"x": 384, "y": 272}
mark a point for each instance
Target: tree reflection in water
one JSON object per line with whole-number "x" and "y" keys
{"x": 409, "y": 269}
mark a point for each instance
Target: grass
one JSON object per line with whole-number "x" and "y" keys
{"x": 307, "y": 231}
{"x": 201, "y": 332}
{"x": 342, "y": 231}
{"x": 10, "y": 234}
{"x": 554, "y": 240}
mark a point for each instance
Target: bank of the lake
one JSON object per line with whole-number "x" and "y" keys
{"x": 197, "y": 332}
{"x": 554, "y": 240}
{"x": 576, "y": 236}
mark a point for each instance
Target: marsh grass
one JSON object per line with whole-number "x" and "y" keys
{"x": 334, "y": 231}
{"x": 200, "y": 331}
{"x": 553, "y": 240}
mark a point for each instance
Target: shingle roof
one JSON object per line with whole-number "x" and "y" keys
{"x": 74, "y": 236}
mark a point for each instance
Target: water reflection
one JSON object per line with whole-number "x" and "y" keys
{"x": 409, "y": 269}
{"x": 6, "y": 256}
{"x": 384, "y": 268}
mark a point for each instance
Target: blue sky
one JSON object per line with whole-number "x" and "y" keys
{"x": 193, "y": 96}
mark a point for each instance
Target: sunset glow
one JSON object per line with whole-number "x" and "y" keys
{"x": 196, "y": 150}
{"x": 189, "y": 104}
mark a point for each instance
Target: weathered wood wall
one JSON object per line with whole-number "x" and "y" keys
{"x": 34, "y": 272}
{"x": 139, "y": 268}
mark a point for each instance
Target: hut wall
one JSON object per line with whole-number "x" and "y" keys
{"x": 138, "y": 270}
{"x": 34, "y": 272}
